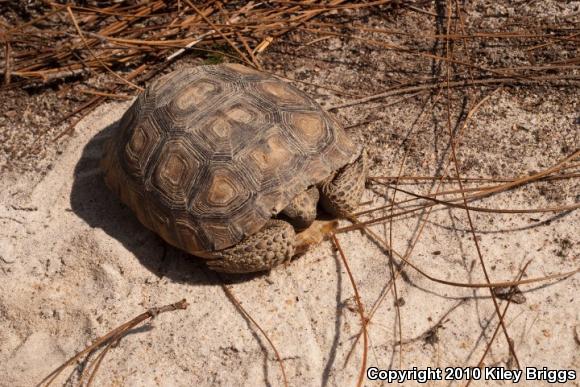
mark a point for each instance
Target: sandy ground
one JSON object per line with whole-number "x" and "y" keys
{"x": 75, "y": 263}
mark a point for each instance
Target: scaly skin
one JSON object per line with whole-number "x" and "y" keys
{"x": 269, "y": 247}
{"x": 301, "y": 212}
{"x": 340, "y": 194}
{"x": 275, "y": 244}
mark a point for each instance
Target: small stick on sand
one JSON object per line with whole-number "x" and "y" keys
{"x": 111, "y": 338}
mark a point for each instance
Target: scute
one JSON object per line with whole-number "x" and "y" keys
{"x": 175, "y": 172}
{"x": 221, "y": 193}
{"x": 142, "y": 142}
{"x": 207, "y": 155}
{"x": 280, "y": 93}
{"x": 310, "y": 129}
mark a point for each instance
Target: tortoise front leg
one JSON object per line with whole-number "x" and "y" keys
{"x": 272, "y": 245}
{"x": 340, "y": 193}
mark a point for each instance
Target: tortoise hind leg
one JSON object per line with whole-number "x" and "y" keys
{"x": 272, "y": 245}
{"x": 341, "y": 192}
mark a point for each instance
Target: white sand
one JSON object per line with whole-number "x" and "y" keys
{"x": 75, "y": 263}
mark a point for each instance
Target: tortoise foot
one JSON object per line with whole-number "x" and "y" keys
{"x": 269, "y": 247}
{"x": 341, "y": 192}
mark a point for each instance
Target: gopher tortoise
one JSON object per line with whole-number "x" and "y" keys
{"x": 229, "y": 164}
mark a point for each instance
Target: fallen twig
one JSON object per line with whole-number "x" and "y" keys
{"x": 112, "y": 337}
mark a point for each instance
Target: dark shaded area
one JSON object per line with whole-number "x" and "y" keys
{"x": 100, "y": 208}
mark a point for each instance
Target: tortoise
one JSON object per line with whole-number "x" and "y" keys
{"x": 229, "y": 163}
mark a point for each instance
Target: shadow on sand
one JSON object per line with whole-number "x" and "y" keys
{"x": 100, "y": 208}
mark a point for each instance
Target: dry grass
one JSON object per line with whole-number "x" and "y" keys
{"x": 134, "y": 43}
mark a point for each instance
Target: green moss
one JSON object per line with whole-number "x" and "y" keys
{"x": 214, "y": 58}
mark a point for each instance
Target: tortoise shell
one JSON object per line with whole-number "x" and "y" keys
{"x": 206, "y": 155}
